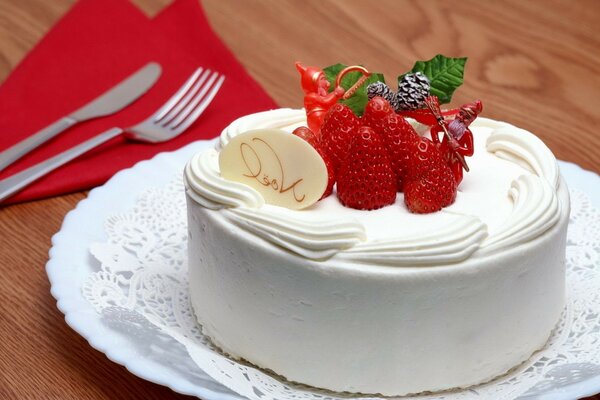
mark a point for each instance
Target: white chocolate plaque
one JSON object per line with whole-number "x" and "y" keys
{"x": 284, "y": 169}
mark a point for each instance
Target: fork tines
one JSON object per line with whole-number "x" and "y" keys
{"x": 184, "y": 107}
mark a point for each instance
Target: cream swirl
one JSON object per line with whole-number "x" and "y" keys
{"x": 455, "y": 242}
{"x": 536, "y": 209}
{"x": 318, "y": 239}
{"x": 527, "y": 150}
{"x": 283, "y": 118}
{"x": 205, "y": 185}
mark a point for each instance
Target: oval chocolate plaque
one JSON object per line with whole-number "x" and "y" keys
{"x": 283, "y": 168}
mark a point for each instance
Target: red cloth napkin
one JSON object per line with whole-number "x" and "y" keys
{"x": 96, "y": 45}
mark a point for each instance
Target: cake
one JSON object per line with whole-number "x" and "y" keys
{"x": 384, "y": 301}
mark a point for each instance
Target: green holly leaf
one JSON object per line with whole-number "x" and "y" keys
{"x": 358, "y": 101}
{"x": 444, "y": 73}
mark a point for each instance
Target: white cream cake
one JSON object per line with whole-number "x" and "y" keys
{"x": 385, "y": 301}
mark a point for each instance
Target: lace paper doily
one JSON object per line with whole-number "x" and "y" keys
{"x": 141, "y": 287}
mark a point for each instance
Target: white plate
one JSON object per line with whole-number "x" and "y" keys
{"x": 70, "y": 264}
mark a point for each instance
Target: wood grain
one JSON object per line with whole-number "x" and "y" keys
{"x": 535, "y": 64}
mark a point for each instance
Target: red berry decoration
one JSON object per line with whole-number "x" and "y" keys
{"x": 338, "y": 130}
{"x": 400, "y": 138}
{"x": 375, "y": 112}
{"x": 308, "y": 136}
{"x": 430, "y": 183}
{"x": 365, "y": 180}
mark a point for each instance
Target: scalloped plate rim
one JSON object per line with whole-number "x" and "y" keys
{"x": 75, "y": 317}
{"x": 79, "y": 320}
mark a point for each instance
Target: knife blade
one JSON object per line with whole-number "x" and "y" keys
{"x": 111, "y": 101}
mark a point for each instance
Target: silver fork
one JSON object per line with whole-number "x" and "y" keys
{"x": 170, "y": 120}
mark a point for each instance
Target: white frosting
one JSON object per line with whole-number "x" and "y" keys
{"x": 523, "y": 148}
{"x": 536, "y": 209}
{"x": 205, "y": 184}
{"x": 313, "y": 239}
{"x": 283, "y": 118}
{"x": 451, "y": 243}
{"x": 384, "y": 301}
{"x": 424, "y": 240}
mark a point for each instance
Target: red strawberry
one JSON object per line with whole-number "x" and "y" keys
{"x": 430, "y": 183}
{"x": 338, "y": 129}
{"x": 365, "y": 180}
{"x": 308, "y": 135}
{"x": 424, "y": 157}
{"x": 375, "y": 112}
{"x": 399, "y": 137}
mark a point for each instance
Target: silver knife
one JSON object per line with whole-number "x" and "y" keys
{"x": 108, "y": 103}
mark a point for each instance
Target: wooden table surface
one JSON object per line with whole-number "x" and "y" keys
{"x": 535, "y": 64}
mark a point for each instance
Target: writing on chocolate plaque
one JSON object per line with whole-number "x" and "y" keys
{"x": 283, "y": 168}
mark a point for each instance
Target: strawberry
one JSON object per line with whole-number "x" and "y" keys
{"x": 430, "y": 183}
{"x": 338, "y": 129}
{"x": 425, "y": 156}
{"x": 375, "y": 112}
{"x": 365, "y": 180}
{"x": 308, "y": 136}
{"x": 399, "y": 137}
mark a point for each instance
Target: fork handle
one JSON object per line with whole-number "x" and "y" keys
{"x": 16, "y": 182}
{"x": 17, "y": 151}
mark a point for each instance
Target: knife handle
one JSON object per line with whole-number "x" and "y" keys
{"x": 16, "y": 182}
{"x": 17, "y": 151}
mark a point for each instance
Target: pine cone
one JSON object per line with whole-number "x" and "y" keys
{"x": 382, "y": 90}
{"x": 412, "y": 91}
